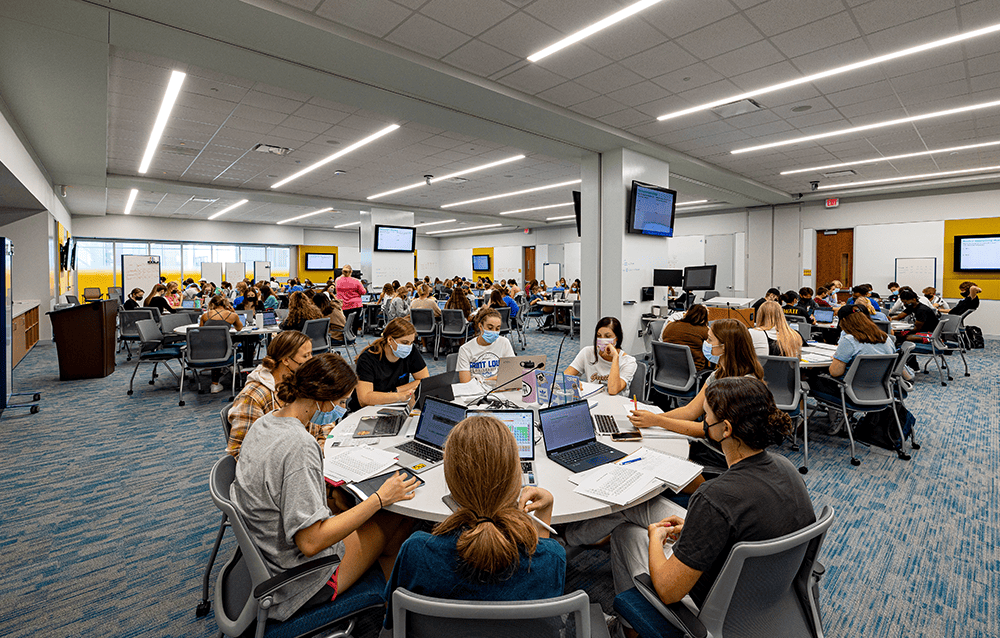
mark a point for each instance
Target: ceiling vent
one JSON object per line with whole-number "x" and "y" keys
{"x": 835, "y": 174}
{"x": 740, "y": 107}
{"x": 179, "y": 150}
{"x": 280, "y": 151}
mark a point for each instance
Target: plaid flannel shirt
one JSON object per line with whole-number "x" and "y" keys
{"x": 253, "y": 402}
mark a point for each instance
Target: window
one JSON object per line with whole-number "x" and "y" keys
{"x": 194, "y": 255}
{"x": 95, "y": 264}
{"x": 225, "y": 254}
{"x": 279, "y": 258}
{"x": 170, "y": 261}
{"x": 250, "y": 254}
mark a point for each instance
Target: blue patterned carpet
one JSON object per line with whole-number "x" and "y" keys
{"x": 107, "y": 524}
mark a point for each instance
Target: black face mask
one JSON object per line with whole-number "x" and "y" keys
{"x": 965, "y": 294}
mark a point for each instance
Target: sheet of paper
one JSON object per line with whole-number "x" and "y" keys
{"x": 673, "y": 471}
{"x": 469, "y": 388}
{"x": 626, "y": 409}
{"x": 617, "y": 484}
{"x": 353, "y": 464}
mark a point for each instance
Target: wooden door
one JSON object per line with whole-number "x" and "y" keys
{"x": 529, "y": 263}
{"x": 834, "y": 256}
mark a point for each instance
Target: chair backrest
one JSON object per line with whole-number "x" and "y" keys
{"x": 575, "y": 311}
{"x": 149, "y": 334}
{"x": 901, "y": 357}
{"x": 157, "y": 317}
{"x": 417, "y": 616}
{"x": 884, "y": 326}
{"x": 638, "y": 386}
{"x": 92, "y": 293}
{"x": 653, "y": 333}
{"x": 710, "y": 294}
{"x": 795, "y": 319}
{"x": 115, "y": 290}
{"x": 281, "y": 314}
{"x": 781, "y": 374}
{"x": 867, "y": 379}
{"x": 128, "y": 318}
{"x": 349, "y": 336}
{"x": 451, "y": 362}
{"x": 453, "y": 322}
{"x": 168, "y": 323}
{"x": 771, "y": 575}
{"x": 951, "y": 328}
{"x": 673, "y": 367}
{"x": 318, "y": 330}
{"x": 422, "y": 320}
{"x": 504, "y": 319}
{"x": 207, "y": 345}
{"x": 226, "y": 425}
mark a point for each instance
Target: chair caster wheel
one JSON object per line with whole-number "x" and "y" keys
{"x": 34, "y": 409}
{"x": 202, "y": 609}
{"x": 903, "y": 455}
{"x": 151, "y": 382}
{"x": 230, "y": 399}
{"x": 795, "y": 448}
{"x": 855, "y": 462}
{"x": 180, "y": 403}
{"x": 951, "y": 378}
{"x": 38, "y": 395}
{"x": 944, "y": 385}
{"x": 803, "y": 470}
{"x": 966, "y": 374}
{"x": 915, "y": 446}
{"x": 129, "y": 393}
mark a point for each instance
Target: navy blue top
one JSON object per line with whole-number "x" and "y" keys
{"x": 430, "y": 565}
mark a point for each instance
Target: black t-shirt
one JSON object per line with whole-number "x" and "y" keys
{"x": 131, "y": 304}
{"x": 760, "y": 498}
{"x": 964, "y": 305}
{"x": 926, "y": 316}
{"x": 161, "y": 304}
{"x": 384, "y": 375}
{"x": 797, "y": 311}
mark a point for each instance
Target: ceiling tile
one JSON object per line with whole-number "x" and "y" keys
{"x": 710, "y": 92}
{"x": 573, "y": 62}
{"x": 716, "y": 39}
{"x": 860, "y": 94}
{"x": 471, "y": 18}
{"x": 626, "y": 118}
{"x": 688, "y": 78}
{"x": 521, "y": 35}
{"x": 678, "y": 17}
{"x": 609, "y": 79}
{"x": 746, "y": 59}
{"x": 259, "y": 115}
{"x": 844, "y": 81}
{"x": 910, "y": 34}
{"x": 480, "y": 58}
{"x": 637, "y": 94}
{"x": 625, "y": 39}
{"x": 531, "y": 79}
{"x": 377, "y": 17}
{"x": 928, "y": 77}
{"x": 271, "y": 102}
{"x": 597, "y": 107}
{"x": 820, "y": 34}
{"x": 778, "y": 16}
{"x": 569, "y": 16}
{"x": 567, "y": 94}
{"x": 320, "y": 114}
{"x": 659, "y": 60}
{"x": 884, "y": 14}
{"x": 423, "y": 35}
{"x": 764, "y": 77}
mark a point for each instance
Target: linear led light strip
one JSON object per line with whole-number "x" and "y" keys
{"x": 908, "y": 177}
{"x": 561, "y": 217}
{"x": 348, "y": 225}
{"x": 842, "y": 69}
{"x": 228, "y": 208}
{"x": 462, "y": 230}
{"x": 341, "y": 153}
{"x": 592, "y": 29}
{"x": 434, "y": 180}
{"x": 173, "y": 90}
{"x": 524, "y": 192}
{"x": 131, "y": 200}
{"x": 527, "y": 210}
{"x": 295, "y": 219}
{"x": 692, "y": 203}
{"x": 874, "y": 160}
{"x": 868, "y": 127}
{"x": 443, "y": 221}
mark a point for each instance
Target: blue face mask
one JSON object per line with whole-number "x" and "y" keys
{"x": 489, "y": 336}
{"x": 706, "y": 349}
{"x": 330, "y": 416}
{"x": 403, "y": 350}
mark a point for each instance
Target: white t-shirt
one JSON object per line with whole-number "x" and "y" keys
{"x": 759, "y": 338}
{"x": 483, "y": 361}
{"x": 598, "y": 372}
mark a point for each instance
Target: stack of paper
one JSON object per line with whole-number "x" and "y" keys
{"x": 675, "y": 472}
{"x": 616, "y": 484}
{"x": 354, "y": 464}
{"x": 474, "y": 387}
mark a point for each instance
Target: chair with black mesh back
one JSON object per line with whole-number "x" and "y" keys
{"x": 350, "y": 339}
{"x": 574, "y": 319}
{"x": 766, "y": 589}
{"x": 171, "y": 322}
{"x": 945, "y": 340}
{"x": 206, "y": 604}
{"x": 425, "y": 324}
{"x": 504, "y": 320}
{"x": 674, "y": 373}
{"x": 92, "y": 294}
{"x": 127, "y": 332}
{"x": 153, "y": 350}
{"x": 453, "y": 326}
{"x": 865, "y": 387}
{"x": 790, "y": 392}
{"x": 208, "y": 348}
{"x": 245, "y": 587}
{"x": 318, "y": 331}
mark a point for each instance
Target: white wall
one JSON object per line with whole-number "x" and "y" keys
{"x": 19, "y": 161}
{"x": 32, "y": 268}
{"x": 558, "y": 245}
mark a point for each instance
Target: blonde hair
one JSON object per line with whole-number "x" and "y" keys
{"x": 771, "y": 316}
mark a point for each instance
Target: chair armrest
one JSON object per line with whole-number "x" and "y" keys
{"x": 677, "y": 613}
{"x": 271, "y": 584}
{"x": 830, "y": 378}
{"x": 818, "y": 570}
{"x": 804, "y": 386}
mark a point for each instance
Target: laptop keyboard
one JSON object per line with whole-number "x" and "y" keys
{"x": 421, "y": 450}
{"x": 605, "y": 424}
{"x": 591, "y": 449}
{"x": 388, "y": 425}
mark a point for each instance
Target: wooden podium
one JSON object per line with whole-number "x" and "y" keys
{"x": 85, "y": 339}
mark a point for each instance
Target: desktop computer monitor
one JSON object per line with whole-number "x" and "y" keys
{"x": 672, "y": 277}
{"x": 699, "y": 277}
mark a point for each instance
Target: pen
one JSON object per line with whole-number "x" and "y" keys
{"x": 630, "y": 461}
{"x": 543, "y": 523}
{"x": 635, "y": 404}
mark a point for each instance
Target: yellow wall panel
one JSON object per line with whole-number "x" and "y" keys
{"x": 481, "y": 273}
{"x": 315, "y": 276}
{"x": 989, "y": 282}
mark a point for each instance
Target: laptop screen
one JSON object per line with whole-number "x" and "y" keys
{"x": 187, "y": 303}
{"x": 824, "y": 315}
{"x": 566, "y": 425}
{"x": 442, "y": 303}
{"x": 520, "y": 423}
{"x": 436, "y": 421}
{"x": 366, "y": 298}
{"x": 270, "y": 319}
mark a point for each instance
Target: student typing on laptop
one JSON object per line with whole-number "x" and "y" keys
{"x": 481, "y": 356}
{"x": 386, "y": 365}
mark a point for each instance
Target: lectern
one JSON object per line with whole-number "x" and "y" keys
{"x": 85, "y": 339}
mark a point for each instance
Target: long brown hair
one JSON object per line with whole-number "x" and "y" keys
{"x": 697, "y": 315}
{"x": 458, "y": 301}
{"x": 152, "y": 293}
{"x": 323, "y": 378}
{"x": 860, "y": 326}
{"x": 483, "y": 472}
{"x": 738, "y": 357}
{"x": 301, "y": 308}
{"x": 283, "y": 346}
{"x": 395, "y": 329}
{"x": 770, "y": 315}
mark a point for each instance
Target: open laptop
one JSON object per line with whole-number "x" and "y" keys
{"x": 270, "y": 318}
{"x": 437, "y": 386}
{"x": 442, "y": 303}
{"x": 521, "y": 424}
{"x": 426, "y": 450}
{"x": 366, "y": 298}
{"x": 570, "y": 440}
{"x": 823, "y": 315}
{"x": 187, "y": 303}
{"x": 513, "y": 367}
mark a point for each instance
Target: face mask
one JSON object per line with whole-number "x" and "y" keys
{"x": 604, "y": 343}
{"x": 706, "y": 349}
{"x": 706, "y": 426}
{"x": 328, "y": 417}
{"x": 403, "y": 350}
{"x": 489, "y": 336}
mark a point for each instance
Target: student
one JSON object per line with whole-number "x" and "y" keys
{"x": 867, "y": 306}
{"x": 772, "y": 294}
{"x": 470, "y": 296}
{"x": 794, "y": 308}
{"x": 398, "y": 306}
{"x": 760, "y": 497}
{"x": 834, "y": 287}
{"x": 460, "y": 301}
{"x": 270, "y": 299}
{"x": 820, "y": 300}
{"x": 349, "y": 291}
{"x": 300, "y": 310}
{"x": 512, "y": 287}
{"x": 730, "y": 347}
{"x": 241, "y": 291}
{"x": 332, "y": 308}
{"x": 220, "y": 313}
{"x": 893, "y": 292}
{"x": 488, "y": 549}
{"x": 285, "y": 354}
{"x": 691, "y": 330}
{"x": 134, "y": 301}
{"x": 782, "y": 341}
{"x": 864, "y": 290}
{"x": 899, "y": 306}
{"x": 191, "y": 290}
{"x": 156, "y": 300}
{"x": 925, "y": 318}
{"x": 227, "y": 290}
{"x": 173, "y": 295}
{"x": 294, "y": 286}
{"x": 496, "y": 300}
{"x": 937, "y": 302}
{"x": 386, "y": 365}
{"x": 575, "y": 288}
{"x": 509, "y": 301}
{"x": 605, "y": 362}
{"x": 970, "y": 298}
{"x": 806, "y": 298}
{"x": 251, "y": 300}
{"x": 858, "y": 336}
{"x": 280, "y": 491}
{"x": 758, "y": 334}
{"x": 481, "y": 356}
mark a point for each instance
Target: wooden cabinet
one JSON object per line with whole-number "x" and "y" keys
{"x": 24, "y": 333}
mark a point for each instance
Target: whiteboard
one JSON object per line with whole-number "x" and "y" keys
{"x": 140, "y": 271}
{"x": 235, "y": 272}
{"x": 262, "y": 271}
{"x": 916, "y": 272}
{"x": 391, "y": 266}
{"x": 211, "y": 272}
{"x": 507, "y": 262}
{"x": 684, "y": 251}
{"x": 550, "y": 273}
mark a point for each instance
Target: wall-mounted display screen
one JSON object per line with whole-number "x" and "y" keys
{"x": 480, "y": 263}
{"x": 699, "y": 277}
{"x": 397, "y": 239}
{"x": 321, "y": 261}
{"x": 651, "y": 210}
{"x": 672, "y": 277}
{"x": 977, "y": 252}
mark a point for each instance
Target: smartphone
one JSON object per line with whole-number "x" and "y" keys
{"x": 632, "y": 435}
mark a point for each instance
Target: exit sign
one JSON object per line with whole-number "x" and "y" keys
{"x": 833, "y": 202}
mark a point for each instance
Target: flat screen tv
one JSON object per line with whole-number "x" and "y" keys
{"x": 699, "y": 277}
{"x": 480, "y": 263}
{"x": 651, "y": 210}
{"x": 395, "y": 239}
{"x": 671, "y": 277}
{"x": 977, "y": 253}
{"x": 321, "y": 261}
{"x": 577, "y": 209}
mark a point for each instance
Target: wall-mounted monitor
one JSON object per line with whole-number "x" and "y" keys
{"x": 699, "y": 277}
{"x": 578, "y": 209}
{"x": 673, "y": 277}
{"x": 321, "y": 261}
{"x": 395, "y": 239}
{"x": 977, "y": 253}
{"x": 480, "y": 263}
{"x": 651, "y": 210}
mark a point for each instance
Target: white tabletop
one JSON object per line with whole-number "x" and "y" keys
{"x": 821, "y": 353}
{"x": 568, "y": 505}
{"x": 730, "y": 302}
{"x": 557, "y": 304}
{"x": 247, "y": 330}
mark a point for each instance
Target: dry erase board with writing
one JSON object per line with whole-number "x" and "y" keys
{"x": 140, "y": 271}
{"x": 916, "y": 272}
{"x": 235, "y": 271}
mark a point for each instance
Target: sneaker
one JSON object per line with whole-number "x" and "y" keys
{"x": 216, "y": 388}
{"x": 907, "y": 385}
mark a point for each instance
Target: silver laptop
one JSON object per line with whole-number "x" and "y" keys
{"x": 521, "y": 424}
{"x": 426, "y": 450}
{"x": 514, "y": 368}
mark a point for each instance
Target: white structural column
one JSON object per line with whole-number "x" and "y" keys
{"x": 381, "y": 267}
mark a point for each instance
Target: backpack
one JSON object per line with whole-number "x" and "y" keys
{"x": 879, "y": 428}
{"x": 975, "y": 337}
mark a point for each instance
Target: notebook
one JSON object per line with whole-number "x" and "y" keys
{"x": 426, "y": 450}
{"x": 570, "y": 439}
{"x": 521, "y": 424}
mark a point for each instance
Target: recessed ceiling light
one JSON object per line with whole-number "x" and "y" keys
{"x": 802, "y": 108}
{"x": 434, "y": 180}
{"x": 131, "y": 200}
{"x": 315, "y": 212}
{"x": 692, "y": 203}
{"x": 340, "y": 153}
{"x": 443, "y": 221}
{"x": 526, "y": 210}
{"x": 169, "y": 98}
{"x": 910, "y": 177}
{"x": 529, "y": 190}
{"x": 868, "y": 127}
{"x": 841, "y": 69}
{"x": 229, "y": 208}
{"x": 872, "y": 160}
{"x": 462, "y": 230}
{"x": 555, "y": 219}
{"x": 614, "y": 18}
{"x": 350, "y": 224}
